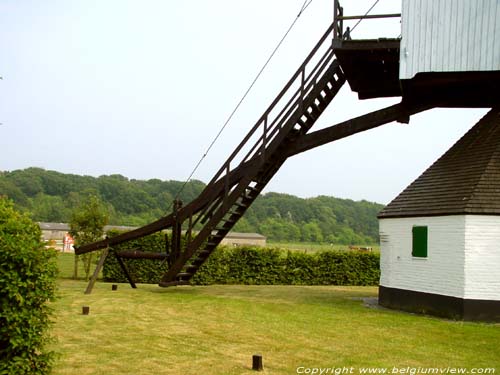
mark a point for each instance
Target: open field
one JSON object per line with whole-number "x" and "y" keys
{"x": 216, "y": 329}
{"x": 309, "y": 247}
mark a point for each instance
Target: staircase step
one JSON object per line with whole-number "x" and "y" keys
{"x": 322, "y": 100}
{"x": 252, "y": 189}
{"x": 230, "y": 221}
{"x": 204, "y": 253}
{"x": 310, "y": 116}
{"x": 223, "y": 229}
{"x": 240, "y": 204}
{"x": 301, "y": 122}
{"x": 184, "y": 275}
{"x": 192, "y": 268}
{"x": 238, "y": 211}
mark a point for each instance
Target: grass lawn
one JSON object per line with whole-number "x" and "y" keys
{"x": 66, "y": 262}
{"x": 216, "y": 329}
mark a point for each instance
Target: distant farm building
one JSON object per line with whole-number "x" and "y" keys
{"x": 56, "y": 232}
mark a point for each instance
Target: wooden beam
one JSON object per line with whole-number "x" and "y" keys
{"x": 397, "y": 112}
{"x": 370, "y": 16}
{"x": 155, "y": 226}
{"x": 125, "y": 270}
{"x": 93, "y": 279}
{"x": 138, "y": 254}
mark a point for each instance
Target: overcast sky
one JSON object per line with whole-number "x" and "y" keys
{"x": 141, "y": 87}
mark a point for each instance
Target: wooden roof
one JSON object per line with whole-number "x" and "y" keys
{"x": 465, "y": 180}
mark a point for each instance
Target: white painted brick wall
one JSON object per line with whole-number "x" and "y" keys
{"x": 482, "y": 257}
{"x": 442, "y": 272}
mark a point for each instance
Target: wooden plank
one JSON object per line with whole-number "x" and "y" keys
{"x": 356, "y": 125}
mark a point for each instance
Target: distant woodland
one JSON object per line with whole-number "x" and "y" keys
{"x": 51, "y": 196}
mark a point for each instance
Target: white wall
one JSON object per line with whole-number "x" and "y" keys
{"x": 449, "y": 35}
{"x": 482, "y": 266}
{"x": 442, "y": 272}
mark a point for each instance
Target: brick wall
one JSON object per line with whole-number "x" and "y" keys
{"x": 482, "y": 258}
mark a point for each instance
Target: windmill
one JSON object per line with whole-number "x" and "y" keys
{"x": 373, "y": 68}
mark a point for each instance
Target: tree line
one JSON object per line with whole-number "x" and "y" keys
{"x": 51, "y": 196}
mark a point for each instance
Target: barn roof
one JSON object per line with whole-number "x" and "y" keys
{"x": 65, "y": 227}
{"x": 465, "y": 180}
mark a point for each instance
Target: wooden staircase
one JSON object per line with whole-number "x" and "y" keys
{"x": 258, "y": 157}
{"x": 240, "y": 180}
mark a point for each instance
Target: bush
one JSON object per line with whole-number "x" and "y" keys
{"x": 27, "y": 282}
{"x": 255, "y": 265}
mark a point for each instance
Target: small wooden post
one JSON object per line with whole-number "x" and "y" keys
{"x": 257, "y": 362}
{"x": 114, "y": 287}
{"x": 85, "y": 310}
{"x": 93, "y": 279}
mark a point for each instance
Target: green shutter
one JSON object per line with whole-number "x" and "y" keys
{"x": 419, "y": 246}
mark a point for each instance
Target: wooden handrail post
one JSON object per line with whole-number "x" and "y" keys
{"x": 264, "y": 141}
{"x": 175, "y": 249}
{"x": 335, "y": 9}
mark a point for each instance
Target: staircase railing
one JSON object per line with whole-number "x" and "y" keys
{"x": 269, "y": 125}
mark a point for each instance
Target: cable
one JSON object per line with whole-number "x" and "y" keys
{"x": 302, "y": 9}
{"x": 361, "y": 19}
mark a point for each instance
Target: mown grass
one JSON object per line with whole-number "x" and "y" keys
{"x": 216, "y": 329}
{"x": 66, "y": 262}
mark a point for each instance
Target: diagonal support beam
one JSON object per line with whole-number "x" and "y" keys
{"x": 98, "y": 268}
{"x": 397, "y": 112}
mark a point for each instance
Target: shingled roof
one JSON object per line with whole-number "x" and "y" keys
{"x": 465, "y": 180}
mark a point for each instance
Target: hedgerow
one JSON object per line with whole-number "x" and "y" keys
{"x": 256, "y": 266}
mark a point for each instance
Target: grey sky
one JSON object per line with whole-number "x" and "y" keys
{"x": 140, "y": 88}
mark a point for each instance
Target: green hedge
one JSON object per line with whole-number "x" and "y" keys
{"x": 265, "y": 266}
{"x": 27, "y": 282}
{"x": 142, "y": 270}
{"x": 256, "y": 266}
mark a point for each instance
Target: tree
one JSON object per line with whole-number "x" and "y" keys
{"x": 311, "y": 232}
{"x": 28, "y": 274}
{"x": 49, "y": 208}
{"x": 86, "y": 226}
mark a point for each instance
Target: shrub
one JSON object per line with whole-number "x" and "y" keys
{"x": 27, "y": 282}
